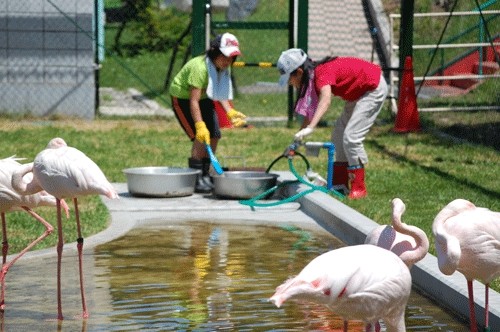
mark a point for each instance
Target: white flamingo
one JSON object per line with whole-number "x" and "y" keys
{"x": 10, "y": 200}
{"x": 66, "y": 172}
{"x": 468, "y": 241}
{"x": 361, "y": 282}
{"x": 409, "y": 242}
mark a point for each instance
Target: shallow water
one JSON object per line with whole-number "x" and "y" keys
{"x": 197, "y": 276}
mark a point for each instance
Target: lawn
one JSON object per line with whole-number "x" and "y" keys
{"x": 425, "y": 170}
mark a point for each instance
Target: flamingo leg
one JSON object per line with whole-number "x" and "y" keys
{"x": 345, "y": 325}
{"x": 486, "y": 307}
{"x": 473, "y": 324}
{"x": 372, "y": 327}
{"x": 60, "y": 243}
{"x": 80, "y": 257}
{"x": 5, "y": 250}
{"x": 5, "y": 242}
{"x": 6, "y": 267}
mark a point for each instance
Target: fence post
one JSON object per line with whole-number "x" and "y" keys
{"x": 303, "y": 23}
{"x": 291, "y": 44}
{"x": 198, "y": 31}
{"x": 406, "y": 34}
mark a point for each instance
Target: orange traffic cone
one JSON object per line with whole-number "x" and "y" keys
{"x": 407, "y": 116}
{"x": 224, "y": 121}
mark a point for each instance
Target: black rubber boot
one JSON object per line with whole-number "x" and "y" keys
{"x": 201, "y": 185}
{"x": 206, "y": 172}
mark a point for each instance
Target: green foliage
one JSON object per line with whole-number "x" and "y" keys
{"x": 144, "y": 26}
{"x": 157, "y": 30}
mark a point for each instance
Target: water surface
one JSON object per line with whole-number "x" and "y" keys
{"x": 200, "y": 276}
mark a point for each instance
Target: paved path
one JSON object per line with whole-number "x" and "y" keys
{"x": 339, "y": 27}
{"x": 129, "y": 103}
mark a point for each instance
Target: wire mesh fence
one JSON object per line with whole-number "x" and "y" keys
{"x": 56, "y": 55}
{"x": 64, "y": 56}
{"x": 138, "y": 55}
{"x": 47, "y": 57}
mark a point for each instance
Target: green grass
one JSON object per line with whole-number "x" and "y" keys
{"x": 424, "y": 170}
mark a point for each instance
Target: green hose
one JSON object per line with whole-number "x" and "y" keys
{"x": 252, "y": 202}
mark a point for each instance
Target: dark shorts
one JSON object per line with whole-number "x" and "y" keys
{"x": 182, "y": 112}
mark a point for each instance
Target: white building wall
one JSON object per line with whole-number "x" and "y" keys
{"x": 47, "y": 57}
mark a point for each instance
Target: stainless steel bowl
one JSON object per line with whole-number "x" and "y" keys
{"x": 243, "y": 184}
{"x": 161, "y": 181}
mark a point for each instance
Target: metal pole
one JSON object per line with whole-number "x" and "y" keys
{"x": 405, "y": 33}
{"x": 97, "y": 29}
{"x": 208, "y": 12}
{"x": 291, "y": 28}
{"x": 198, "y": 27}
{"x": 303, "y": 24}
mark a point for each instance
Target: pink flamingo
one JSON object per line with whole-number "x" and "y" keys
{"x": 361, "y": 282}
{"x": 468, "y": 241}
{"x": 66, "y": 172}
{"x": 409, "y": 242}
{"x": 10, "y": 200}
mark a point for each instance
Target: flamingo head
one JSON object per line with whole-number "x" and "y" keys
{"x": 448, "y": 252}
{"x": 398, "y": 208}
{"x": 297, "y": 288}
{"x": 56, "y": 143}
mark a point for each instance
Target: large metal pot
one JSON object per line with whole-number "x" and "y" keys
{"x": 243, "y": 184}
{"x": 161, "y": 181}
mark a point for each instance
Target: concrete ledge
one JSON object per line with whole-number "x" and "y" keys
{"x": 352, "y": 227}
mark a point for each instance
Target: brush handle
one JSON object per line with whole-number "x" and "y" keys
{"x": 213, "y": 159}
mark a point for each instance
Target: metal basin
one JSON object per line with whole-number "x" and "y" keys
{"x": 161, "y": 181}
{"x": 243, "y": 184}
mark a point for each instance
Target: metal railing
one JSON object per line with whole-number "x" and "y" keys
{"x": 448, "y": 44}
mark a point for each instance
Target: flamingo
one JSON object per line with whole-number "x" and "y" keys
{"x": 10, "y": 200}
{"x": 361, "y": 282}
{"x": 66, "y": 172}
{"x": 468, "y": 241}
{"x": 409, "y": 242}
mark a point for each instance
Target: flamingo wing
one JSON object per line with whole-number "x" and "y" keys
{"x": 68, "y": 172}
{"x": 362, "y": 282}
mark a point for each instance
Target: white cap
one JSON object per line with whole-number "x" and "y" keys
{"x": 289, "y": 61}
{"x": 229, "y": 45}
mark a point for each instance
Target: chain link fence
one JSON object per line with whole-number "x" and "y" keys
{"x": 139, "y": 56}
{"x": 72, "y": 57}
{"x": 47, "y": 57}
